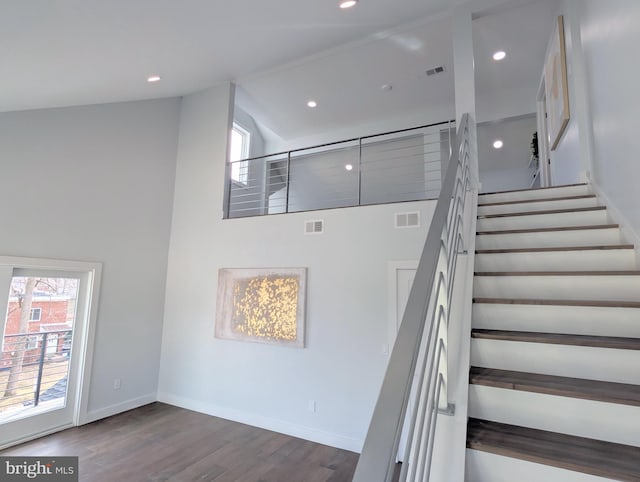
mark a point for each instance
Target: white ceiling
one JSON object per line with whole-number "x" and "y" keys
{"x": 70, "y": 52}
{"x": 347, "y": 82}
{"x": 523, "y": 32}
{"x": 75, "y": 52}
{"x": 516, "y": 134}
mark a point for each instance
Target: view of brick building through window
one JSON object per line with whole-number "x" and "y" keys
{"x": 36, "y": 342}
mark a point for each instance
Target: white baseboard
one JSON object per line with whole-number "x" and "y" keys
{"x": 628, "y": 232}
{"x": 117, "y": 408}
{"x": 36, "y": 435}
{"x": 280, "y": 426}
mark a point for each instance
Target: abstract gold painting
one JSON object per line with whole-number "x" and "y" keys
{"x": 264, "y": 305}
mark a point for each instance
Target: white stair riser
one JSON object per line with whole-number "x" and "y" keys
{"x": 573, "y": 416}
{"x": 579, "y": 320}
{"x": 487, "y": 467}
{"x": 550, "y": 239}
{"x": 536, "y": 221}
{"x": 603, "y": 364}
{"x": 539, "y": 206}
{"x": 562, "y": 191}
{"x": 612, "y": 288}
{"x": 618, "y": 259}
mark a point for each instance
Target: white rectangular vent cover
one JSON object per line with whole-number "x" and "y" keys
{"x": 436, "y": 70}
{"x": 314, "y": 227}
{"x": 408, "y": 220}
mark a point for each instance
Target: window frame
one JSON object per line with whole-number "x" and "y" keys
{"x": 239, "y": 169}
{"x": 33, "y": 311}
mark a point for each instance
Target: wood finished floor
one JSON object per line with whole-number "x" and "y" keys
{"x": 159, "y": 442}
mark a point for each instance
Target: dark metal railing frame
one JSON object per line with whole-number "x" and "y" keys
{"x": 229, "y": 182}
{"x": 41, "y": 358}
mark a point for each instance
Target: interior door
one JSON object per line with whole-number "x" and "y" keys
{"x": 44, "y": 347}
{"x": 401, "y": 276}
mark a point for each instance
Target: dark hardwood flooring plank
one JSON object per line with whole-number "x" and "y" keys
{"x": 595, "y": 457}
{"x": 527, "y": 201}
{"x": 602, "y": 303}
{"x": 549, "y": 230}
{"x": 159, "y": 442}
{"x": 553, "y": 249}
{"x": 557, "y": 273}
{"x": 609, "y": 392}
{"x": 535, "y": 213}
{"x": 533, "y": 189}
{"x": 617, "y": 342}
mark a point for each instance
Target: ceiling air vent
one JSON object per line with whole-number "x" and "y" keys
{"x": 435, "y": 70}
{"x": 408, "y": 220}
{"x": 314, "y": 227}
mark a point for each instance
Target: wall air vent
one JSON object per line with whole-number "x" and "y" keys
{"x": 314, "y": 227}
{"x": 436, "y": 70}
{"x": 408, "y": 220}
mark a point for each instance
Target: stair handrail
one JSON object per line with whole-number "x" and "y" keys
{"x": 419, "y": 353}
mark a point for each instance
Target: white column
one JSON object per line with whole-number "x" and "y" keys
{"x": 465, "y": 89}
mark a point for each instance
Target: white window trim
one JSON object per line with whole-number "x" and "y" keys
{"x": 34, "y": 311}
{"x": 241, "y": 174}
{"x": 93, "y": 272}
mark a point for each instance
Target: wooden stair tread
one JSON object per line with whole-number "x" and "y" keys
{"x": 548, "y": 230}
{"x": 594, "y": 303}
{"x": 533, "y": 189}
{"x": 533, "y": 213}
{"x": 589, "y": 456}
{"x": 552, "y": 249}
{"x": 609, "y": 392}
{"x": 563, "y": 198}
{"x": 622, "y": 343}
{"x": 558, "y": 273}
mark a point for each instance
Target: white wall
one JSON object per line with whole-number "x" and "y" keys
{"x": 506, "y": 168}
{"x": 96, "y": 184}
{"x": 511, "y": 102}
{"x": 611, "y": 38}
{"x": 569, "y": 163}
{"x": 342, "y": 366}
{"x": 380, "y": 126}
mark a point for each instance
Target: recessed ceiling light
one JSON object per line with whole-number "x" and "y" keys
{"x": 499, "y": 55}
{"x": 154, "y": 78}
{"x": 497, "y": 144}
{"x": 348, "y": 3}
{"x": 349, "y": 167}
{"x": 312, "y": 104}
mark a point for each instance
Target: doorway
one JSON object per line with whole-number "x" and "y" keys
{"x": 46, "y": 345}
{"x": 400, "y": 276}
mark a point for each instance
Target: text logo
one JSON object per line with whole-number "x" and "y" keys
{"x": 51, "y": 469}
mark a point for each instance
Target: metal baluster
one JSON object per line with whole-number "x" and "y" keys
{"x": 40, "y": 368}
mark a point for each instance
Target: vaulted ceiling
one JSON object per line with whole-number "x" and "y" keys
{"x": 76, "y": 52}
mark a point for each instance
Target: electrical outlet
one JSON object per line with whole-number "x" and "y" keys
{"x": 116, "y": 383}
{"x": 312, "y": 405}
{"x": 385, "y": 349}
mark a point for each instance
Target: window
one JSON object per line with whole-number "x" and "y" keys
{"x": 240, "y": 139}
{"x": 33, "y": 342}
{"x": 36, "y": 314}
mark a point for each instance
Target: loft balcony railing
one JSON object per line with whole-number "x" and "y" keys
{"x": 403, "y": 165}
{"x": 42, "y": 361}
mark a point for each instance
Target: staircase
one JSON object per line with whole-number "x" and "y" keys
{"x": 554, "y": 389}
